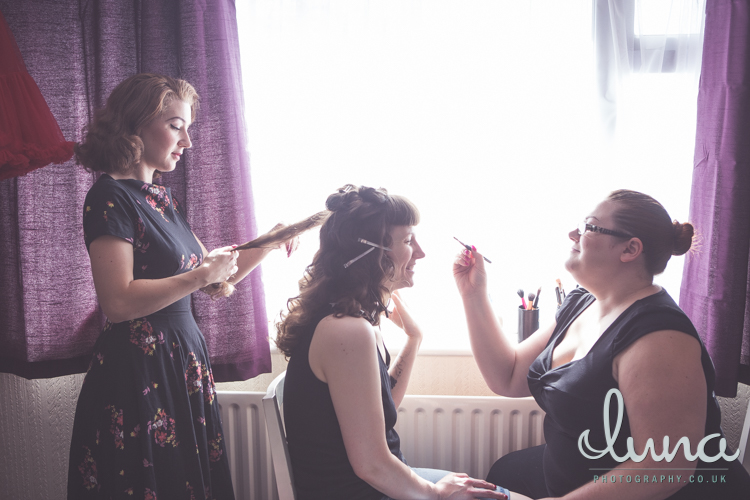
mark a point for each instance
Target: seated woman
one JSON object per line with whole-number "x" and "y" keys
{"x": 340, "y": 397}
{"x": 620, "y": 332}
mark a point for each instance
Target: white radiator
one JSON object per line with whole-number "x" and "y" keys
{"x": 456, "y": 433}
{"x": 247, "y": 445}
{"x": 464, "y": 433}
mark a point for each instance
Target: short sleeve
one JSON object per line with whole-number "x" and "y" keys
{"x": 108, "y": 210}
{"x": 655, "y": 313}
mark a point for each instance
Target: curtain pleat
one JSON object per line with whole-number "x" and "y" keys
{"x": 77, "y": 52}
{"x": 715, "y": 290}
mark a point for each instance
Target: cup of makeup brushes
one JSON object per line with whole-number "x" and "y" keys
{"x": 528, "y": 322}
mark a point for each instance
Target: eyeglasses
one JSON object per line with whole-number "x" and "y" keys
{"x": 584, "y": 226}
{"x": 373, "y": 245}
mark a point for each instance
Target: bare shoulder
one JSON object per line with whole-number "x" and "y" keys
{"x": 341, "y": 344}
{"x": 345, "y": 330}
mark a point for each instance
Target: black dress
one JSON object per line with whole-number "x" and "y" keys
{"x": 320, "y": 465}
{"x": 573, "y": 394}
{"x": 147, "y": 423}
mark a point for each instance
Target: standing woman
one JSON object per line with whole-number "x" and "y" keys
{"x": 147, "y": 424}
{"x": 621, "y": 332}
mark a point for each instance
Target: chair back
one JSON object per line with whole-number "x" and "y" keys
{"x": 273, "y": 405}
{"x": 744, "y": 447}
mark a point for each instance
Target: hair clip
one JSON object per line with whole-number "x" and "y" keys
{"x": 362, "y": 240}
{"x": 373, "y": 245}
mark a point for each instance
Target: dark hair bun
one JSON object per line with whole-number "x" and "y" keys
{"x": 338, "y": 200}
{"x": 347, "y": 196}
{"x": 683, "y": 237}
{"x": 372, "y": 195}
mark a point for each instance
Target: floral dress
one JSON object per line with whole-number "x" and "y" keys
{"x": 147, "y": 423}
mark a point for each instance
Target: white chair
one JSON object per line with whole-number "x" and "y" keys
{"x": 744, "y": 457}
{"x": 273, "y": 404}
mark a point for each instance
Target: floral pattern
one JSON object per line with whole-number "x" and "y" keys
{"x": 117, "y": 447}
{"x": 190, "y": 490}
{"x": 215, "y": 450}
{"x": 191, "y": 264}
{"x": 115, "y": 426}
{"x": 209, "y": 389}
{"x": 140, "y": 244}
{"x": 156, "y": 196}
{"x": 88, "y": 471}
{"x": 193, "y": 375}
{"x": 142, "y": 335}
{"x": 163, "y": 427}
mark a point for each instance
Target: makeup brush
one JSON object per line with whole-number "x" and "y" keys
{"x": 531, "y": 298}
{"x": 520, "y": 294}
{"x": 467, "y": 247}
{"x": 559, "y": 284}
{"x": 536, "y": 299}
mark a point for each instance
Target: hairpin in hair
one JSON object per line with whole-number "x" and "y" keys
{"x": 362, "y": 240}
{"x": 373, "y": 245}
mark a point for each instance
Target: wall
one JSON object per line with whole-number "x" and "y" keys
{"x": 36, "y": 419}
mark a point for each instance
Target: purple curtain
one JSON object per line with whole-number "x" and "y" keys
{"x": 77, "y": 52}
{"x": 715, "y": 289}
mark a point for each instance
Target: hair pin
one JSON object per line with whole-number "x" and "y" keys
{"x": 373, "y": 245}
{"x": 362, "y": 240}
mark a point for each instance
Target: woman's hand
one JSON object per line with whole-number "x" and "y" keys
{"x": 402, "y": 318}
{"x": 469, "y": 273}
{"x": 290, "y": 245}
{"x": 219, "y": 265}
{"x": 460, "y": 486}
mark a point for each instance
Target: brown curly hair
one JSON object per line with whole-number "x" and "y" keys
{"x": 111, "y": 142}
{"x": 358, "y": 290}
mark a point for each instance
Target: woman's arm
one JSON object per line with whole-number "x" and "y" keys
{"x": 123, "y": 298}
{"x": 401, "y": 368}
{"x": 503, "y": 365}
{"x": 664, "y": 389}
{"x": 343, "y": 354}
{"x": 247, "y": 260}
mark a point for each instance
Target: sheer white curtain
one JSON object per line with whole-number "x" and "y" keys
{"x": 486, "y": 114}
{"x": 633, "y": 38}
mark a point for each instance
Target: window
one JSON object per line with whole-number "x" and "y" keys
{"x": 483, "y": 113}
{"x": 668, "y": 34}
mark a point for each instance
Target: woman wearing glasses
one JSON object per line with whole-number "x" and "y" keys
{"x": 341, "y": 390}
{"x": 619, "y": 338}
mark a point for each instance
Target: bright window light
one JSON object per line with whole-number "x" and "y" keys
{"x": 483, "y": 113}
{"x": 668, "y": 17}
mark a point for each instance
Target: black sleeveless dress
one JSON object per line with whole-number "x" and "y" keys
{"x": 320, "y": 464}
{"x": 573, "y": 394}
{"x": 147, "y": 423}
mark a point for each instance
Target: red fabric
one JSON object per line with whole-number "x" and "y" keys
{"x": 29, "y": 135}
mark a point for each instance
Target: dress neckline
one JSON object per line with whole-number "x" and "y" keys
{"x": 560, "y": 337}
{"x": 138, "y": 181}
